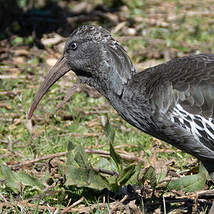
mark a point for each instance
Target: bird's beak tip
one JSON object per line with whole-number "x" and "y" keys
{"x": 56, "y": 72}
{"x": 30, "y": 114}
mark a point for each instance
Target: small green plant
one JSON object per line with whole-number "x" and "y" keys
{"x": 112, "y": 173}
{"x": 190, "y": 183}
{"x": 17, "y": 181}
{"x": 80, "y": 172}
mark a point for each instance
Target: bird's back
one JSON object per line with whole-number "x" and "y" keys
{"x": 177, "y": 104}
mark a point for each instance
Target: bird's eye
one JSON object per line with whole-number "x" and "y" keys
{"x": 74, "y": 45}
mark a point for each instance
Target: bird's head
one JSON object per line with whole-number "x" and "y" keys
{"x": 95, "y": 57}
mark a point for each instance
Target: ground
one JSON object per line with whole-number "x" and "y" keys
{"x": 85, "y": 158}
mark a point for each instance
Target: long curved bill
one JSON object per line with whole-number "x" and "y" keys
{"x": 58, "y": 70}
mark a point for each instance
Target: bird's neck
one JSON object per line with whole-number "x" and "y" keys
{"x": 129, "y": 105}
{"x": 115, "y": 80}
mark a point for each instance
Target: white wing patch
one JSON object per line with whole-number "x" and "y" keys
{"x": 200, "y": 127}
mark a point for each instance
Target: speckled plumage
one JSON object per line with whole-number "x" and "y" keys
{"x": 173, "y": 101}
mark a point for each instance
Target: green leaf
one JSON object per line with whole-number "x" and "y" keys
{"x": 161, "y": 176}
{"x": 70, "y": 146}
{"x": 150, "y": 175}
{"x": 116, "y": 158}
{"x": 17, "y": 40}
{"x": 127, "y": 173}
{"x": 81, "y": 158}
{"x": 14, "y": 179}
{"x": 109, "y": 131}
{"x": 135, "y": 177}
{"x": 29, "y": 180}
{"x": 105, "y": 164}
{"x": 190, "y": 183}
{"x": 79, "y": 171}
{"x": 10, "y": 177}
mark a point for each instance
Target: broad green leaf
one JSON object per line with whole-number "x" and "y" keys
{"x": 150, "y": 175}
{"x": 190, "y": 183}
{"x": 14, "y": 179}
{"x": 109, "y": 131}
{"x": 161, "y": 176}
{"x": 81, "y": 157}
{"x": 135, "y": 177}
{"x": 202, "y": 170}
{"x": 85, "y": 177}
{"x": 127, "y": 173}
{"x": 29, "y": 180}
{"x": 70, "y": 159}
{"x": 116, "y": 158}
{"x": 79, "y": 171}
{"x": 10, "y": 177}
{"x": 104, "y": 163}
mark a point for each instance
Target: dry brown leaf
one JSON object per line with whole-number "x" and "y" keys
{"x": 119, "y": 27}
{"x": 20, "y": 52}
{"x": 52, "y": 41}
{"x": 19, "y": 60}
{"x": 51, "y": 61}
{"x": 82, "y": 6}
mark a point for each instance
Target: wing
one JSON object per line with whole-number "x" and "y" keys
{"x": 195, "y": 86}
{"x": 184, "y": 94}
{"x": 188, "y": 81}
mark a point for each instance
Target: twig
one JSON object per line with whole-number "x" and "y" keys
{"x": 106, "y": 171}
{"x": 98, "y": 152}
{"x": 67, "y": 209}
{"x": 27, "y": 204}
{"x": 9, "y": 115}
{"x": 174, "y": 200}
{"x": 5, "y": 105}
{"x": 90, "y": 151}
{"x": 10, "y": 93}
{"x": 123, "y": 156}
{"x": 12, "y": 76}
{"x": 95, "y": 112}
{"x": 209, "y": 194}
{"x": 18, "y": 121}
{"x": 80, "y": 135}
{"x": 29, "y": 162}
{"x": 4, "y": 141}
{"x": 124, "y": 198}
{"x": 88, "y": 209}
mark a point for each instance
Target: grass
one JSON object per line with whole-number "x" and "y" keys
{"x": 51, "y": 132}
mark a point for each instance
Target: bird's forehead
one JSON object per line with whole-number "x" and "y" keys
{"x": 90, "y": 32}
